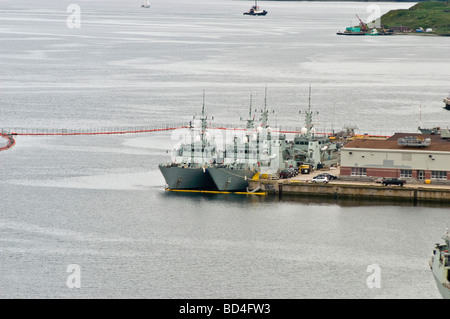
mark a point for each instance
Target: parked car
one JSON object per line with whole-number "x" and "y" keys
{"x": 393, "y": 181}
{"x": 293, "y": 171}
{"x": 286, "y": 173}
{"x": 328, "y": 175}
{"x": 320, "y": 179}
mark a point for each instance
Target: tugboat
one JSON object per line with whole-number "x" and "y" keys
{"x": 440, "y": 266}
{"x": 255, "y": 11}
{"x": 188, "y": 170}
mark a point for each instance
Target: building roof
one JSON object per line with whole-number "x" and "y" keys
{"x": 437, "y": 143}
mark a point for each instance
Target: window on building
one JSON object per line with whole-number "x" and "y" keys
{"x": 406, "y": 173}
{"x": 358, "y": 171}
{"x": 438, "y": 175}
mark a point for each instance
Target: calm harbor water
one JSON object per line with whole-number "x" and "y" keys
{"x": 98, "y": 202}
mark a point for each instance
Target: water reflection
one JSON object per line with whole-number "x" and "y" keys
{"x": 248, "y": 199}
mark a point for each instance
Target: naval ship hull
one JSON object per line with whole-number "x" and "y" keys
{"x": 447, "y": 103}
{"x": 440, "y": 267}
{"x": 187, "y": 178}
{"x": 231, "y": 180}
{"x": 445, "y": 292}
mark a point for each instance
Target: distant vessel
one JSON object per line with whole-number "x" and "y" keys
{"x": 434, "y": 130}
{"x": 373, "y": 32}
{"x": 447, "y": 102}
{"x": 188, "y": 170}
{"x": 362, "y": 29}
{"x": 352, "y": 31}
{"x": 424, "y": 130}
{"x": 255, "y": 11}
{"x": 380, "y": 32}
{"x": 386, "y": 32}
{"x": 146, "y": 4}
{"x": 440, "y": 266}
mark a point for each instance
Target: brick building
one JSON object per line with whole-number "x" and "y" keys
{"x": 414, "y": 157}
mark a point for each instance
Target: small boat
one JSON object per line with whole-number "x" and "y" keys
{"x": 146, "y": 4}
{"x": 255, "y": 11}
{"x": 434, "y": 130}
{"x": 447, "y": 103}
{"x": 386, "y": 32}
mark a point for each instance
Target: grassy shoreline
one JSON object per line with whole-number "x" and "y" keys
{"x": 429, "y": 14}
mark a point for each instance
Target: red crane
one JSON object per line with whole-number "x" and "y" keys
{"x": 364, "y": 26}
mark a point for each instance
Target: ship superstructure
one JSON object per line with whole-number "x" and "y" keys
{"x": 310, "y": 148}
{"x": 255, "y": 10}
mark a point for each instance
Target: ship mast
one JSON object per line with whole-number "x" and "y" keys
{"x": 447, "y": 239}
{"x": 203, "y": 121}
{"x": 309, "y": 116}
{"x": 265, "y": 123}
{"x": 249, "y": 131}
{"x": 265, "y": 114}
{"x": 250, "y": 121}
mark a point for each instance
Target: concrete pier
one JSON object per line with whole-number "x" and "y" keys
{"x": 355, "y": 190}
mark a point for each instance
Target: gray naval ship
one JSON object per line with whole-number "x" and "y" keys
{"x": 264, "y": 152}
{"x": 188, "y": 169}
{"x": 237, "y": 163}
{"x": 440, "y": 266}
{"x": 312, "y": 149}
{"x": 257, "y": 152}
{"x": 200, "y": 165}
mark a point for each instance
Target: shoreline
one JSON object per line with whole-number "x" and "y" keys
{"x": 420, "y": 34}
